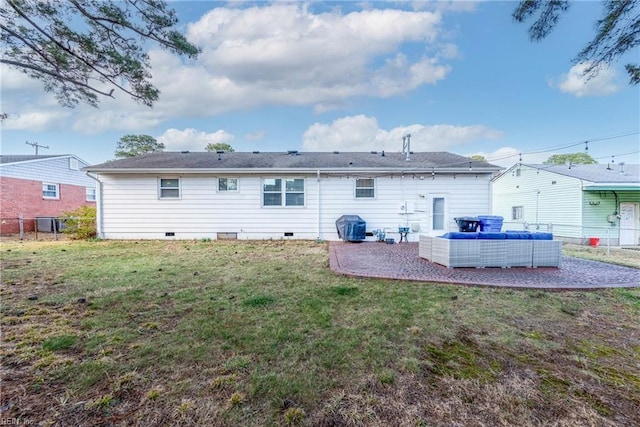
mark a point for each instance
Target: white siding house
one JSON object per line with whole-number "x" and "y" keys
{"x": 286, "y": 195}
{"x": 577, "y": 202}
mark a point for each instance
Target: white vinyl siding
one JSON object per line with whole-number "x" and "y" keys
{"x": 132, "y": 210}
{"x": 52, "y": 169}
{"x": 50, "y": 191}
{"x": 169, "y": 188}
{"x": 545, "y": 198}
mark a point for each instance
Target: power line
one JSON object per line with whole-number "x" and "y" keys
{"x": 570, "y": 145}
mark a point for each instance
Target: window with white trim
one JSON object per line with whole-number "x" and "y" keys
{"x": 50, "y": 191}
{"x": 169, "y": 188}
{"x": 91, "y": 194}
{"x": 517, "y": 212}
{"x": 365, "y": 188}
{"x": 283, "y": 192}
{"x": 227, "y": 184}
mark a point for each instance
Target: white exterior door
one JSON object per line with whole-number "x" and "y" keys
{"x": 438, "y": 215}
{"x": 628, "y": 224}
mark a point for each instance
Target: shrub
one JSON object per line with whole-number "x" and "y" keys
{"x": 80, "y": 223}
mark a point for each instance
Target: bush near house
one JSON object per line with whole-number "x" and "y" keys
{"x": 80, "y": 224}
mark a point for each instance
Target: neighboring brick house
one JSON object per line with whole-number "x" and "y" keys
{"x": 41, "y": 186}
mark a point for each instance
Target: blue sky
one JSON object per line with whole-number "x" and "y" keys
{"x": 355, "y": 76}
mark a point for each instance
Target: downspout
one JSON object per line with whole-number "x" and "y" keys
{"x": 98, "y": 205}
{"x": 318, "y": 201}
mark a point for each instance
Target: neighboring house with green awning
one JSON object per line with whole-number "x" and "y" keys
{"x": 578, "y": 203}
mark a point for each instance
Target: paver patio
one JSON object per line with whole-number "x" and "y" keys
{"x": 401, "y": 261}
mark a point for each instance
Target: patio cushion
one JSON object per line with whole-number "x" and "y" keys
{"x": 518, "y": 235}
{"x": 542, "y": 236}
{"x": 489, "y": 235}
{"x": 457, "y": 235}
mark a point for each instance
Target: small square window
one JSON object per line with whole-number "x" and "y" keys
{"x": 50, "y": 191}
{"x": 365, "y": 188}
{"x": 91, "y": 194}
{"x": 517, "y": 212}
{"x": 169, "y": 188}
{"x": 227, "y": 184}
{"x": 73, "y": 164}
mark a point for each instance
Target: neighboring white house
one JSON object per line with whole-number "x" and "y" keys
{"x": 578, "y": 202}
{"x": 244, "y": 195}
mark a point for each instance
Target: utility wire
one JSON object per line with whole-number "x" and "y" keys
{"x": 573, "y": 144}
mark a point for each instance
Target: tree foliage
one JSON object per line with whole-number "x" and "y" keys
{"x": 136, "y": 145}
{"x": 219, "y": 146}
{"x": 81, "y": 49}
{"x": 617, "y": 32}
{"x": 572, "y": 158}
{"x": 478, "y": 157}
{"x": 80, "y": 223}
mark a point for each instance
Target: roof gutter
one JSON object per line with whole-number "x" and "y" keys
{"x": 312, "y": 171}
{"x": 98, "y": 205}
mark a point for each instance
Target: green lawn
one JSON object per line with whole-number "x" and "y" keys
{"x": 263, "y": 333}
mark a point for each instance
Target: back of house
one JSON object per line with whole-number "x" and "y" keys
{"x": 287, "y": 195}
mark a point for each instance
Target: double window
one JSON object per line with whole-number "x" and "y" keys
{"x": 50, "y": 191}
{"x": 283, "y": 192}
{"x": 365, "y": 188}
{"x": 169, "y": 188}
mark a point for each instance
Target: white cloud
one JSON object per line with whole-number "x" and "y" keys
{"x": 35, "y": 120}
{"x": 192, "y": 139}
{"x": 362, "y": 133}
{"x": 280, "y": 53}
{"x": 284, "y": 54}
{"x": 13, "y": 79}
{"x": 255, "y": 136}
{"x": 577, "y": 84}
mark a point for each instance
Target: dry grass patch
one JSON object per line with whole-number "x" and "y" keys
{"x": 262, "y": 333}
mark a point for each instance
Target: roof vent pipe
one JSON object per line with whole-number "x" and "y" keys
{"x": 621, "y": 168}
{"x": 406, "y": 145}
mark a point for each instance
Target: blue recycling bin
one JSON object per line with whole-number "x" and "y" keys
{"x": 490, "y": 223}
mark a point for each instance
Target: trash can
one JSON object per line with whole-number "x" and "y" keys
{"x": 467, "y": 224}
{"x": 351, "y": 228}
{"x": 594, "y": 241}
{"x": 490, "y": 223}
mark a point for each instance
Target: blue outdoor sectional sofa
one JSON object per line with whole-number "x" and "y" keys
{"x": 492, "y": 249}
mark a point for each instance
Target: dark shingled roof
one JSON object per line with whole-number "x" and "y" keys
{"x": 14, "y": 158}
{"x": 597, "y": 173}
{"x": 292, "y": 160}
